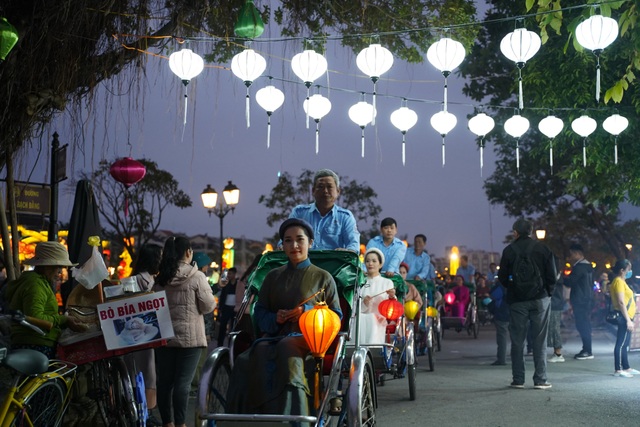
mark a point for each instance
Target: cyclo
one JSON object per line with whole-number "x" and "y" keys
{"x": 458, "y": 318}
{"x": 345, "y": 389}
{"x": 427, "y": 336}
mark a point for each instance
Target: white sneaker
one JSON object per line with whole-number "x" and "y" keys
{"x": 623, "y": 374}
{"x": 632, "y": 371}
{"x": 555, "y": 358}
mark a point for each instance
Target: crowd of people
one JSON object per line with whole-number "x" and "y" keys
{"x": 525, "y": 295}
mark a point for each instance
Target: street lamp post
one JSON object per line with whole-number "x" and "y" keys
{"x": 210, "y": 200}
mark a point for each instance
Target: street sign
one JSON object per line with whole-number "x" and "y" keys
{"x": 61, "y": 164}
{"x": 34, "y": 199}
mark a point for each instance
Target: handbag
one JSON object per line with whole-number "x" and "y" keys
{"x": 614, "y": 316}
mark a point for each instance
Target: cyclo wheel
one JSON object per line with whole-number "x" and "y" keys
{"x": 43, "y": 404}
{"x": 217, "y": 383}
{"x": 114, "y": 393}
{"x": 410, "y": 360}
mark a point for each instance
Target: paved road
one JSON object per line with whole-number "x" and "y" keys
{"x": 465, "y": 390}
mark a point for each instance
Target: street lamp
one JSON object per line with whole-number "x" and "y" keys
{"x": 231, "y": 195}
{"x": 541, "y": 234}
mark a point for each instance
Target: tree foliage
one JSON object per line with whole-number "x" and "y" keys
{"x": 137, "y": 211}
{"x": 558, "y": 80}
{"x": 289, "y": 192}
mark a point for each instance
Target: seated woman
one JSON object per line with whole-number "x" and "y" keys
{"x": 462, "y": 297}
{"x": 377, "y": 289}
{"x": 269, "y": 378}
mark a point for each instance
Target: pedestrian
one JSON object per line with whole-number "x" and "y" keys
{"x": 499, "y": 308}
{"x": 189, "y": 297}
{"x": 227, "y": 302}
{"x": 334, "y": 227}
{"x": 554, "y": 338}
{"x": 528, "y": 272}
{"x": 580, "y": 281}
{"x": 623, "y": 302}
{"x": 466, "y": 270}
{"x": 391, "y": 247}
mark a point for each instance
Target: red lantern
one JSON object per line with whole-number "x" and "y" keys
{"x": 319, "y": 326}
{"x": 391, "y": 309}
{"x": 127, "y": 171}
{"x": 449, "y": 297}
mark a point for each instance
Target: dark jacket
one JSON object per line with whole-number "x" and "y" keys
{"x": 499, "y": 307}
{"x": 581, "y": 283}
{"x": 557, "y": 298}
{"x": 541, "y": 255}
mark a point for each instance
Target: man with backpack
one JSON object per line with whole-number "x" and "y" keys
{"x": 528, "y": 272}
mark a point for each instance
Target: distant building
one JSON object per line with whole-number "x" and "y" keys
{"x": 480, "y": 259}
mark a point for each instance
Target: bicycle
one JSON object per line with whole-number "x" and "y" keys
{"x": 39, "y": 392}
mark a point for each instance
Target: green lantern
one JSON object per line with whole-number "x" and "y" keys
{"x": 249, "y": 25}
{"x": 8, "y": 38}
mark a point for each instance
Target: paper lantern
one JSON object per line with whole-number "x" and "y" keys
{"x": 446, "y": 54}
{"x": 391, "y": 309}
{"x": 615, "y": 124}
{"x": 519, "y": 46}
{"x": 319, "y": 326}
{"x": 516, "y": 126}
{"x": 481, "y": 125}
{"x": 308, "y": 65}
{"x": 584, "y": 126}
{"x": 128, "y": 172}
{"x": 595, "y": 34}
{"x": 317, "y": 107}
{"x": 249, "y": 24}
{"x": 432, "y": 312}
{"x": 248, "y": 65}
{"x": 186, "y": 65}
{"x": 404, "y": 119}
{"x": 411, "y": 308}
{"x": 449, "y": 297}
{"x": 270, "y": 98}
{"x": 443, "y": 122}
{"x": 551, "y": 126}
{"x": 8, "y": 38}
{"x": 374, "y": 61}
{"x": 362, "y": 114}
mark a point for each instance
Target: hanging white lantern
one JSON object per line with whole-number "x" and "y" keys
{"x": 404, "y": 119}
{"x": 308, "y": 65}
{"x": 584, "y": 126}
{"x": 481, "y": 125}
{"x": 595, "y": 34}
{"x": 186, "y": 65}
{"x": 270, "y": 98}
{"x": 516, "y": 126}
{"x": 362, "y": 114}
{"x": 551, "y": 126}
{"x": 446, "y": 54}
{"x": 443, "y": 122}
{"x": 615, "y": 124}
{"x": 317, "y": 107}
{"x": 248, "y": 66}
{"x": 519, "y": 46}
{"x": 374, "y": 61}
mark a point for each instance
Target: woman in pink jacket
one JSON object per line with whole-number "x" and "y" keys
{"x": 189, "y": 297}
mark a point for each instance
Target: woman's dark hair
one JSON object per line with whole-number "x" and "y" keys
{"x": 148, "y": 260}
{"x": 174, "y": 250}
{"x": 621, "y": 264}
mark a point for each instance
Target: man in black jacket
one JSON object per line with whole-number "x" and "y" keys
{"x": 581, "y": 283}
{"x": 534, "y": 309}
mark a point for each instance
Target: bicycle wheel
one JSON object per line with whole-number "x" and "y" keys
{"x": 44, "y": 405}
{"x": 218, "y": 385}
{"x": 114, "y": 394}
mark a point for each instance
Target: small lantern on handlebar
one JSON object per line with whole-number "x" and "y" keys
{"x": 391, "y": 309}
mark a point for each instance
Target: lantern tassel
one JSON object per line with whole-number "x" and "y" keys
{"x": 268, "y": 130}
{"x": 551, "y": 156}
{"x": 445, "y": 93}
{"x": 317, "y": 137}
{"x": 185, "y": 107}
{"x": 584, "y": 152}
{"x": 362, "y": 142}
{"x": 403, "y": 151}
{"x": 247, "y": 108}
{"x": 481, "y": 156}
{"x": 518, "y": 155}
{"x": 615, "y": 151}
{"x": 443, "y": 152}
{"x": 307, "y": 107}
{"x": 373, "y": 112}
{"x": 598, "y": 78}
{"x": 520, "y": 97}
{"x": 317, "y": 381}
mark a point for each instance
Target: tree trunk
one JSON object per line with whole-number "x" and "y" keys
{"x": 6, "y": 241}
{"x": 13, "y": 218}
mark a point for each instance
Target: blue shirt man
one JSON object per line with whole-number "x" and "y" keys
{"x": 333, "y": 227}
{"x": 417, "y": 259}
{"x": 466, "y": 270}
{"x": 392, "y": 248}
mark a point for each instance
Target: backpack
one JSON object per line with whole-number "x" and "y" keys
{"x": 527, "y": 281}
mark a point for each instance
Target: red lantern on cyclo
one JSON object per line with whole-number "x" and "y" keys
{"x": 128, "y": 172}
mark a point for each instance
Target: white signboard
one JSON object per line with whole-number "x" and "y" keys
{"x": 134, "y": 321}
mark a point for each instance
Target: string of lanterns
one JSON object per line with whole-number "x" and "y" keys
{"x": 519, "y": 46}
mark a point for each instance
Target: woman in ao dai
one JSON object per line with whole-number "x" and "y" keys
{"x": 377, "y": 289}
